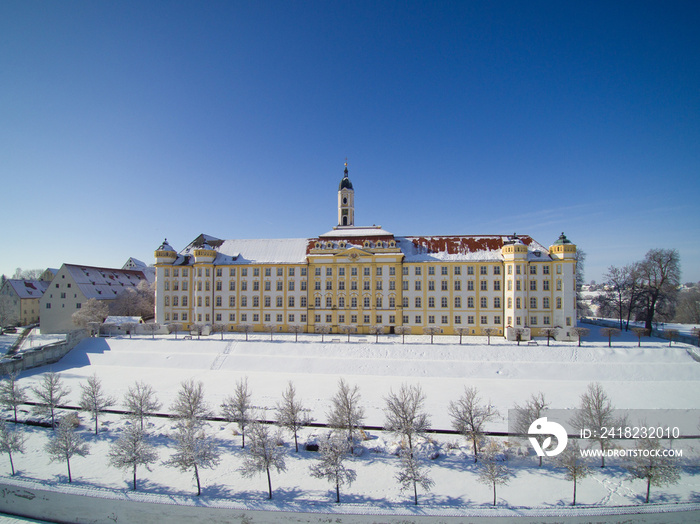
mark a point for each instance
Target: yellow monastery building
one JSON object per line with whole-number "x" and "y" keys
{"x": 364, "y": 279}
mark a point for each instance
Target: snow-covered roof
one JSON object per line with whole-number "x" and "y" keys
{"x": 414, "y": 248}
{"x": 464, "y": 248}
{"x": 104, "y": 283}
{"x": 119, "y": 320}
{"x": 28, "y": 288}
{"x": 352, "y": 231}
{"x": 248, "y": 251}
{"x": 134, "y": 262}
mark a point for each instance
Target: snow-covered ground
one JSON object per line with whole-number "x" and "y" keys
{"x": 653, "y": 376}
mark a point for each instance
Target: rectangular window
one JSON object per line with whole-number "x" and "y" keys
{"x": 431, "y": 285}
{"x": 470, "y": 301}
{"x": 470, "y": 270}
{"x": 417, "y": 270}
{"x": 365, "y": 319}
{"x": 418, "y": 302}
{"x": 458, "y": 302}
{"x": 483, "y": 270}
{"x": 470, "y": 285}
{"x": 379, "y": 319}
{"x": 329, "y": 271}
{"x": 404, "y": 319}
{"x": 443, "y": 285}
{"x": 431, "y": 319}
{"x": 545, "y": 321}
{"x": 267, "y": 285}
{"x": 303, "y": 274}
{"x": 443, "y": 319}
{"x": 497, "y": 303}
{"x": 353, "y": 271}
{"x": 497, "y": 319}
{"x": 341, "y": 271}
{"x": 443, "y": 302}
{"x": 533, "y": 303}
{"x": 379, "y": 271}
{"x": 353, "y": 319}
{"x": 545, "y": 270}
{"x": 418, "y": 319}
{"x": 533, "y": 321}
{"x": 484, "y": 285}
{"x": 290, "y": 318}
{"x": 483, "y": 302}
{"x": 443, "y": 270}
{"x": 458, "y": 285}
{"x": 290, "y": 272}
{"x": 431, "y": 301}
{"x": 317, "y": 271}
{"x": 545, "y": 285}
{"x": 392, "y": 271}
{"x": 545, "y": 303}
{"x": 533, "y": 285}
{"x": 496, "y": 270}
{"x": 417, "y": 285}
{"x": 458, "y": 270}
{"x": 496, "y": 285}
{"x": 484, "y": 319}
{"x": 256, "y": 317}
{"x": 366, "y": 272}
{"x": 431, "y": 270}
{"x": 458, "y": 319}
{"x": 303, "y": 285}
{"x": 290, "y": 285}
{"x": 558, "y": 302}
{"x": 244, "y": 286}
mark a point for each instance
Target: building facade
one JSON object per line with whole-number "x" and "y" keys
{"x": 365, "y": 278}
{"x": 21, "y": 298}
{"x": 73, "y": 285}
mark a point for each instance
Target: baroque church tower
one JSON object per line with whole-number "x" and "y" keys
{"x": 346, "y": 201}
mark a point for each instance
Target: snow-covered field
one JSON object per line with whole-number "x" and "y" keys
{"x": 653, "y": 376}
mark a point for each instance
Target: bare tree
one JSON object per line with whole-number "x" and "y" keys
{"x": 621, "y": 292}
{"x": 494, "y": 471}
{"x": 610, "y": 332}
{"x": 696, "y": 333}
{"x": 270, "y": 328}
{"x": 130, "y": 327}
{"x": 140, "y": 400}
{"x": 519, "y": 332}
{"x": 238, "y": 408}
{"x": 332, "y": 452}
{"x": 595, "y": 413}
{"x": 263, "y": 454}
{"x": 412, "y": 475}
{"x": 489, "y": 332}
{"x": 640, "y": 333}
{"x": 576, "y": 467}
{"x": 461, "y": 331}
{"x": 11, "y": 441}
{"x": 51, "y": 393}
{"x": 469, "y": 416}
{"x": 651, "y": 465}
{"x": 580, "y": 332}
{"x": 218, "y": 328}
{"x": 291, "y": 413}
{"x": 348, "y": 330}
{"x": 525, "y": 415}
{"x": 403, "y": 331}
{"x": 296, "y": 329}
{"x": 376, "y": 331}
{"x": 94, "y": 399}
{"x": 131, "y": 450}
{"x": 189, "y": 403}
{"x": 661, "y": 276}
{"x": 405, "y": 413}
{"x": 432, "y": 331}
{"x": 193, "y": 450}
{"x": 92, "y": 310}
{"x": 550, "y": 333}
{"x": 151, "y": 327}
{"x": 346, "y": 413}
{"x": 688, "y": 307}
{"x": 671, "y": 335}
{"x": 65, "y": 444}
{"x": 245, "y": 328}
{"x": 174, "y": 328}
{"x": 11, "y": 393}
{"x": 323, "y": 329}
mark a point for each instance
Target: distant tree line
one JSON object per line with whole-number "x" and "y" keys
{"x": 645, "y": 291}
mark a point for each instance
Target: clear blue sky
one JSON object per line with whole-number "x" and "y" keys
{"x": 122, "y": 123}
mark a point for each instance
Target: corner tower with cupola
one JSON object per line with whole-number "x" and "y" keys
{"x": 346, "y": 201}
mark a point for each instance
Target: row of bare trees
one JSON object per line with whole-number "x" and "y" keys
{"x": 405, "y": 416}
